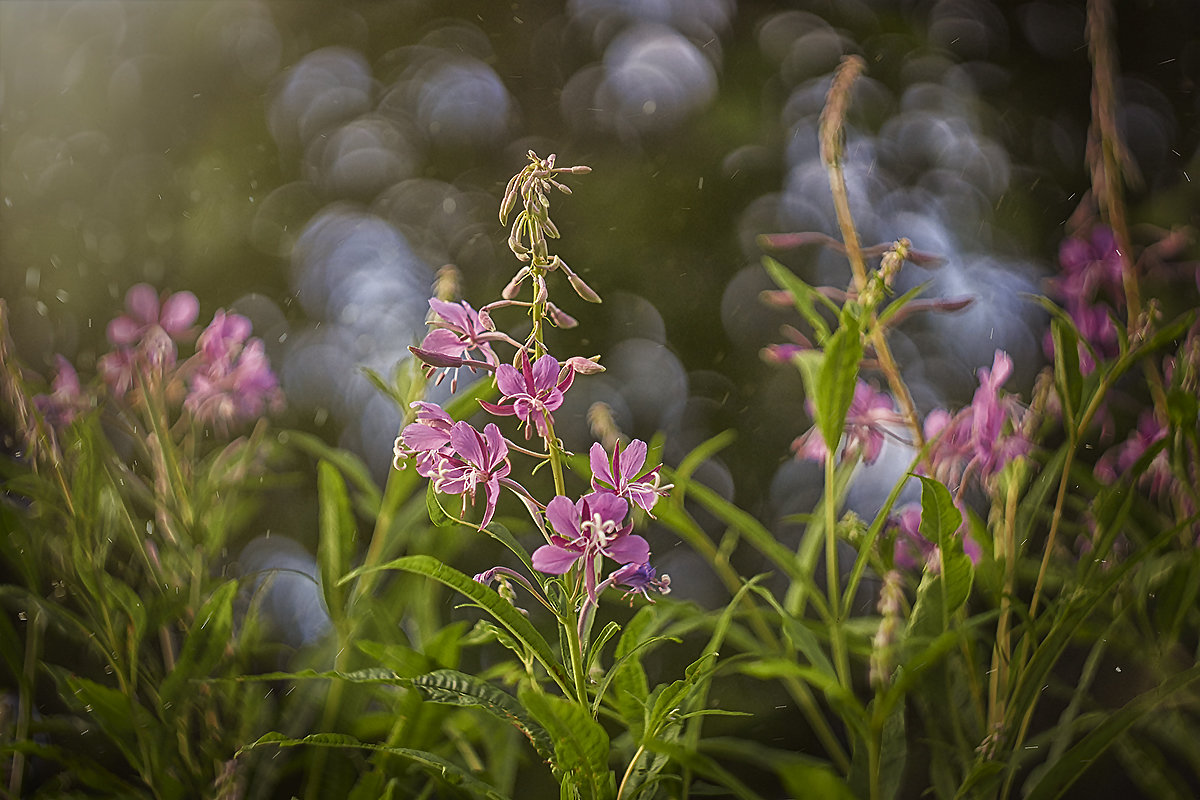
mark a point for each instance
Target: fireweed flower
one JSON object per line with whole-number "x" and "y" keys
{"x": 472, "y": 459}
{"x": 532, "y": 393}
{"x": 867, "y": 422}
{"x": 1119, "y": 459}
{"x": 223, "y": 337}
{"x": 983, "y": 437}
{"x": 66, "y": 400}
{"x": 425, "y": 439}
{"x": 145, "y": 337}
{"x": 589, "y": 528}
{"x": 1090, "y": 266}
{"x": 638, "y": 579}
{"x": 458, "y": 338}
{"x": 229, "y": 379}
{"x": 618, "y": 474}
{"x": 1096, "y": 328}
{"x": 233, "y": 389}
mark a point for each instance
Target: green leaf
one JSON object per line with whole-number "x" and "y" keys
{"x": 801, "y": 775}
{"x": 339, "y": 534}
{"x": 703, "y": 765}
{"x": 580, "y": 743}
{"x": 485, "y": 597}
{"x": 804, "y": 296}
{"x": 210, "y": 634}
{"x": 451, "y": 687}
{"x": 437, "y": 514}
{"x": 1068, "y": 381}
{"x": 434, "y": 765}
{"x": 940, "y": 518}
{"x": 893, "y": 752}
{"x": 939, "y": 596}
{"x": 120, "y": 717}
{"x": 831, "y": 387}
{"x": 347, "y": 463}
{"x": 900, "y": 302}
{"x": 1056, "y": 780}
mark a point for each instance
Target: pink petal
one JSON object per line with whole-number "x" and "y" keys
{"x": 564, "y": 516}
{"x": 633, "y": 458}
{"x": 446, "y": 342}
{"x": 509, "y": 381}
{"x": 467, "y": 443}
{"x": 123, "y": 330}
{"x": 630, "y": 549}
{"x": 423, "y": 437}
{"x": 545, "y": 373}
{"x": 142, "y": 302}
{"x": 180, "y": 311}
{"x": 496, "y": 445}
{"x": 453, "y": 313}
{"x": 554, "y": 560}
{"x": 598, "y": 459}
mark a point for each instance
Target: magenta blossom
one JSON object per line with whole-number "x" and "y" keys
{"x": 532, "y": 393}
{"x": 587, "y": 529}
{"x": 458, "y": 338}
{"x": 1090, "y": 266}
{"x": 1119, "y": 459}
{"x": 66, "y": 400}
{"x": 234, "y": 389}
{"x": 638, "y": 579}
{"x": 145, "y": 336}
{"x": 619, "y": 474}
{"x": 473, "y": 459}
{"x": 981, "y": 438}
{"x": 223, "y": 337}
{"x": 427, "y": 439}
{"x": 1096, "y": 328}
{"x": 867, "y": 422}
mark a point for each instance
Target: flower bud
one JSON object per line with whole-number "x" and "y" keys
{"x": 584, "y": 366}
{"x": 582, "y": 289}
{"x": 559, "y": 317}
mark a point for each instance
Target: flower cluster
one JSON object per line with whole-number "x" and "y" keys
{"x": 871, "y": 417}
{"x": 226, "y": 382}
{"x": 1091, "y": 271}
{"x": 580, "y": 532}
{"x": 982, "y": 438}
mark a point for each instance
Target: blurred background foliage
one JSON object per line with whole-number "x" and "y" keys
{"x": 312, "y": 164}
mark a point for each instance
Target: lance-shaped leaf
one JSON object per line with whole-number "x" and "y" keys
{"x": 580, "y": 743}
{"x": 451, "y": 687}
{"x": 483, "y": 596}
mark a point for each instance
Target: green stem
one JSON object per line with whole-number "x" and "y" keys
{"x": 837, "y": 641}
{"x": 577, "y": 674}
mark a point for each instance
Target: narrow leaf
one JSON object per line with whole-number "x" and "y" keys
{"x": 451, "y": 687}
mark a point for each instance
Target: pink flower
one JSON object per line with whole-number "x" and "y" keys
{"x": 1119, "y": 459}
{"x": 427, "y": 439}
{"x": 981, "y": 438}
{"x": 230, "y": 379}
{"x": 66, "y": 400}
{"x": 867, "y": 423}
{"x": 458, "y": 334}
{"x": 471, "y": 459}
{"x": 1090, "y": 266}
{"x": 532, "y": 393}
{"x": 587, "y": 529}
{"x": 224, "y": 336}
{"x": 619, "y": 474}
{"x": 639, "y": 579}
{"x": 145, "y": 336}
